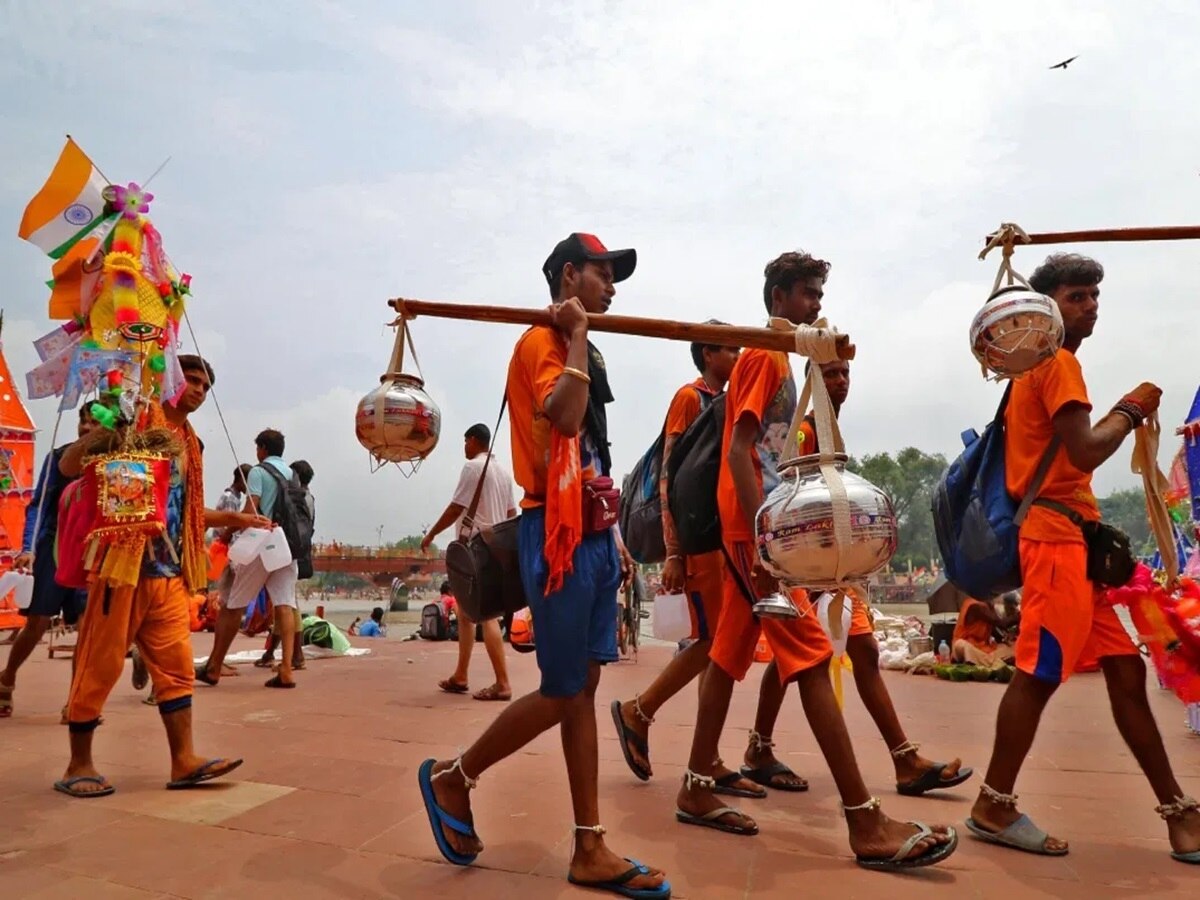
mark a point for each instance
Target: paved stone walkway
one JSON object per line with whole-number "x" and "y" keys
{"x": 327, "y": 803}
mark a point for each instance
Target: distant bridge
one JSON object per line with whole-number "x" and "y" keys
{"x": 379, "y": 565}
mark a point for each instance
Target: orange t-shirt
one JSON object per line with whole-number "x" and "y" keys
{"x": 536, "y": 365}
{"x": 685, "y": 407}
{"x": 761, "y": 386}
{"x": 977, "y": 631}
{"x": 1032, "y": 406}
{"x": 806, "y": 439}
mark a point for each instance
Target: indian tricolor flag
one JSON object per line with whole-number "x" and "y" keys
{"x": 69, "y": 207}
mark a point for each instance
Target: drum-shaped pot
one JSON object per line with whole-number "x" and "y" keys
{"x": 795, "y": 528}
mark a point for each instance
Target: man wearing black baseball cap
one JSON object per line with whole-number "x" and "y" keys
{"x": 578, "y": 248}
{"x": 572, "y": 565}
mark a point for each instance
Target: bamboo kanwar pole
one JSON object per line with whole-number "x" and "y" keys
{"x": 782, "y": 337}
{"x": 1164, "y": 233}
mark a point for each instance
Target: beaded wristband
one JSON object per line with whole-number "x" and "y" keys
{"x": 1132, "y": 411}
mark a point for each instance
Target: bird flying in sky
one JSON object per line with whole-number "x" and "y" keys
{"x": 1065, "y": 63}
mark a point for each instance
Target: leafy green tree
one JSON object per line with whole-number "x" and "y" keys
{"x": 909, "y": 478}
{"x": 409, "y": 542}
{"x": 1126, "y": 509}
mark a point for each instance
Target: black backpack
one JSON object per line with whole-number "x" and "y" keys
{"x": 692, "y": 474}
{"x": 292, "y": 515}
{"x": 433, "y": 623}
{"x": 641, "y": 502}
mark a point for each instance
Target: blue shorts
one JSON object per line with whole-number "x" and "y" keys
{"x": 49, "y": 597}
{"x": 577, "y": 624}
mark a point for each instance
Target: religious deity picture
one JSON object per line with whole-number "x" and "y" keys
{"x": 126, "y": 489}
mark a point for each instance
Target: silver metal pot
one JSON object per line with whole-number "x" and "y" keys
{"x": 919, "y": 645}
{"x": 795, "y": 527}
{"x": 398, "y": 422}
{"x": 1016, "y": 330}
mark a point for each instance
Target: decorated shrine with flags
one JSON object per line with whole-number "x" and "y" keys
{"x": 17, "y": 436}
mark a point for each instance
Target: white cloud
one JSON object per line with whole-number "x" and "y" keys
{"x": 346, "y": 153}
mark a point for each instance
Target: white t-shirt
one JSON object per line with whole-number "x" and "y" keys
{"x": 494, "y": 502}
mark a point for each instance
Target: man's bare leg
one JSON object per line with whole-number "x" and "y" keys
{"x": 864, "y": 657}
{"x": 466, "y": 644}
{"x": 228, "y": 622}
{"x": 81, "y": 765}
{"x": 1125, "y": 677}
{"x": 285, "y": 625}
{"x": 592, "y": 859}
{"x": 694, "y": 798}
{"x": 680, "y": 671}
{"x": 872, "y": 834}
{"x": 519, "y": 724}
{"x": 27, "y": 639}
{"x": 493, "y": 642}
{"x": 184, "y": 760}
{"x": 684, "y": 667}
{"x": 1017, "y": 721}
{"x": 297, "y": 639}
{"x": 760, "y": 752}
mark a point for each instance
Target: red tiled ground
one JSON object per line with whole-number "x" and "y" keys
{"x": 327, "y": 805}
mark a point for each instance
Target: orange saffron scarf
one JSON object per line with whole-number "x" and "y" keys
{"x": 564, "y": 508}
{"x": 194, "y": 559}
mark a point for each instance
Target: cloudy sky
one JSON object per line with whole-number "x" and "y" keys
{"x": 329, "y": 158}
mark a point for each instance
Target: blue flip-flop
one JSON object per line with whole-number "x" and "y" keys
{"x": 626, "y": 736}
{"x": 620, "y": 884}
{"x": 1192, "y": 858}
{"x": 931, "y": 780}
{"x": 1020, "y": 835}
{"x": 67, "y": 786}
{"x": 207, "y": 772}
{"x": 901, "y": 860}
{"x": 439, "y": 817}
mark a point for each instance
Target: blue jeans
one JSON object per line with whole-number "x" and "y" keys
{"x": 577, "y": 624}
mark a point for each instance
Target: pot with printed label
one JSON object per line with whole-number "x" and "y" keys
{"x": 795, "y": 531}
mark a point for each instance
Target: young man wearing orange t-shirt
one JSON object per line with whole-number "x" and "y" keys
{"x": 700, "y": 578}
{"x": 557, "y": 389}
{"x": 1061, "y": 620}
{"x": 915, "y": 775}
{"x": 760, "y": 403}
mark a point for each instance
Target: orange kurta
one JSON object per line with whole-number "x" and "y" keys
{"x": 974, "y": 628}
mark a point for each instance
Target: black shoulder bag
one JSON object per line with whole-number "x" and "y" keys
{"x": 1110, "y": 559}
{"x": 484, "y": 569}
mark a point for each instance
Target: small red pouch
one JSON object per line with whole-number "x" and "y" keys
{"x": 601, "y": 505}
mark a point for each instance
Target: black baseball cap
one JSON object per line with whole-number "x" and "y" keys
{"x": 579, "y": 248}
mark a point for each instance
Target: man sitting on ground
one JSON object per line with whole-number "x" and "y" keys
{"x": 974, "y": 636}
{"x": 374, "y": 626}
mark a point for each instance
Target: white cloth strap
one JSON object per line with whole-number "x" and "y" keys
{"x": 819, "y": 343}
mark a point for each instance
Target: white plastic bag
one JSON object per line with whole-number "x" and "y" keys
{"x": 275, "y": 552}
{"x": 20, "y": 584}
{"x": 672, "y": 620}
{"x": 247, "y": 545}
{"x": 823, "y": 604}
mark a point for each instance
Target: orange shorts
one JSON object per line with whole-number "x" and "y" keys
{"x": 704, "y": 586}
{"x": 1061, "y": 620}
{"x": 860, "y": 616}
{"x": 798, "y": 644}
{"x": 154, "y": 615}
